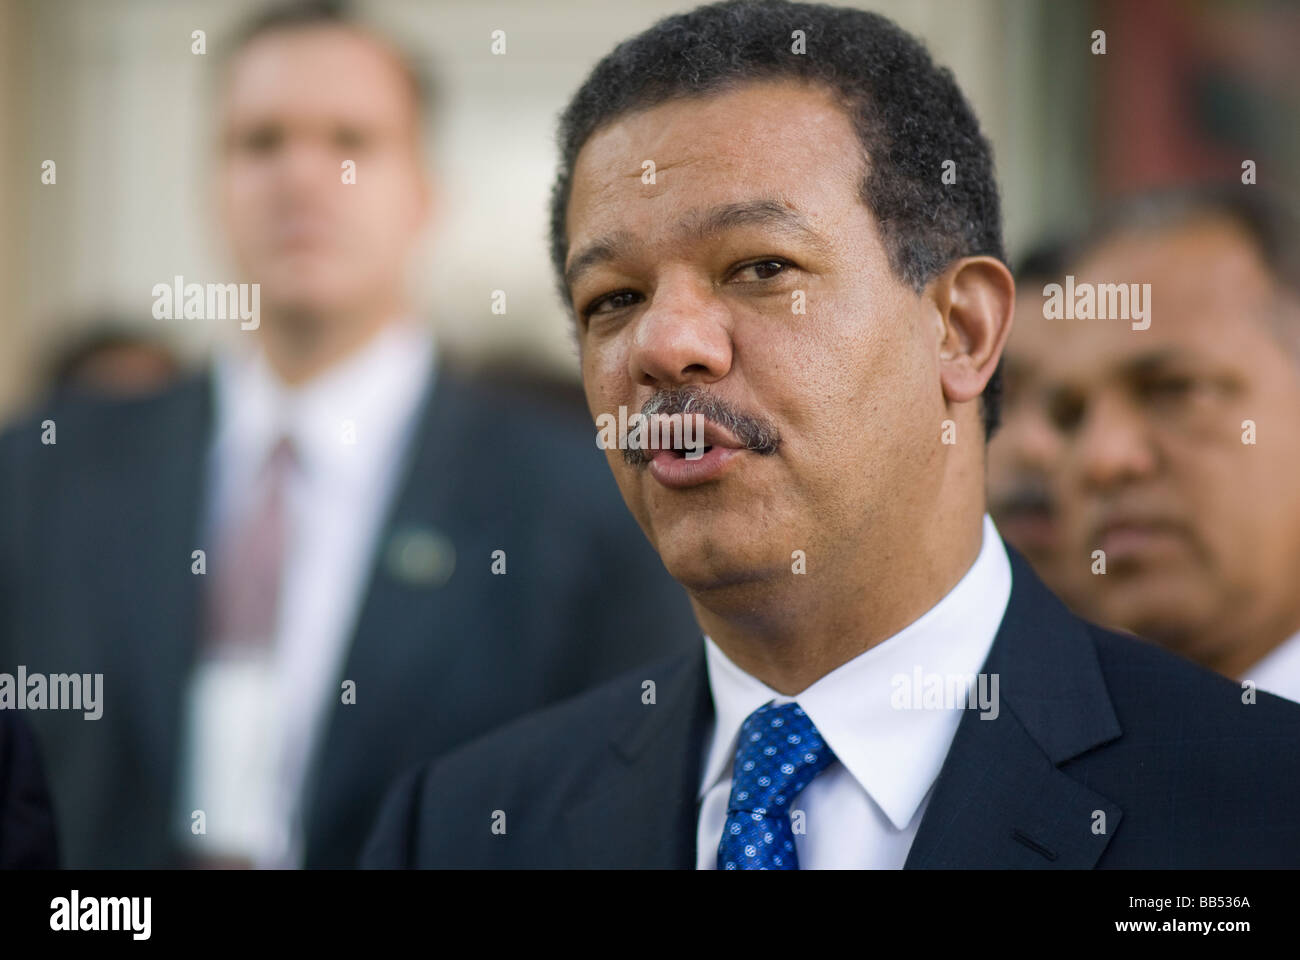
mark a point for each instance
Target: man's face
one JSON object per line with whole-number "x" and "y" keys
{"x": 1026, "y": 450}
{"x": 754, "y": 208}
{"x": 1201, "y": 531}
{"x": 297, "y": 104}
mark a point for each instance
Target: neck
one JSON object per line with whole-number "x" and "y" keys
{"x": 301, "y": 345}
{"x": 789, "y": 636}
{"x": 1234, "y": 658}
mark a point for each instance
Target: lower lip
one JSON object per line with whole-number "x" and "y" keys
{"x": 679, "y": 472}
{"x": 1133, "y": 541}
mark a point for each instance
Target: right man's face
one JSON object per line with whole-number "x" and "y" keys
{"x": 851, "y": 384}
{"x": 297, "y": 105}
{"x": 1201, "y": 531}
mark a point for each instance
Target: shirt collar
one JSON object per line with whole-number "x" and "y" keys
{"x": 892, "y": 751}
{"x": 1279, "y": 672}
{"x": 340, "y": 420}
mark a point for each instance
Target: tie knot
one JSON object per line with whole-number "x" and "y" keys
{"x": 779, "y": 753}
{"x": 280, "y": 458}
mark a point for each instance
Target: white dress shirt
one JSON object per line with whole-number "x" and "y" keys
{"x": 1279, "y": 672}
{"x": 863, "y": 811}
{"x": 252, "y": 728}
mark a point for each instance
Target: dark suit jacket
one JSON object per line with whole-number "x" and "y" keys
{"x": 1185, "y": 774}
{"x": 27, "y": 835}
{"x": 96, "y": 535}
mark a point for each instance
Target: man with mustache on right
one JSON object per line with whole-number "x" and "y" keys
{"x": 800, "y": 272}
{"x": 1176, "y": 448}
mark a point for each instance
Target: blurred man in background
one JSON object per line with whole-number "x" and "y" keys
{"x": 110, "y": 358}
{"x": 28, "y": 839}
{"x": 1025, "y": 451}
{"x": 331, "y": 556}
{"x": 1179, "y": 447}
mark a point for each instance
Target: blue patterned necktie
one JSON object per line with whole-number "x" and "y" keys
{"x": 779, "y": 753}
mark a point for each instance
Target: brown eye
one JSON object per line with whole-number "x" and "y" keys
{"x": 611, "y": 302}
{"x": 1065, "y": 410}
{"x": 261, "y": 140}
{"x": 762, "y": 270}
{"x": 1167, "y": 389}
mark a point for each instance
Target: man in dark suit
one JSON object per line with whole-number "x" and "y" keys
{"x": 816, "y": 269}
{"x": 326, "y": 558}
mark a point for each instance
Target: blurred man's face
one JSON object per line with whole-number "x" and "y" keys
{"x": 1201, "y": 531}
{"x": 1025, "y": 451}
{"x": 124, "y": 369}
{"x": 297, "y": 104}
{"x": 755, "y": 197}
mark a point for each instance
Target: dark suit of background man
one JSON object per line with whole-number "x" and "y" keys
{"x": 834, "y": 546}
{"x": 351, "y": 495}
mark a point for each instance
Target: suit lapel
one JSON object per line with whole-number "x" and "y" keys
{"x": 644, "y": 812}
{"x": 1000, "y": 799}
{"x": 400, "y": 614}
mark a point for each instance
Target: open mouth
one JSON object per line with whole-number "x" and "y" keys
{"x": 681, "y": 453}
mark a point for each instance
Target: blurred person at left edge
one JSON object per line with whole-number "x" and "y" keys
{"x": 395, "y": 557}
{"x": 28, "y": 840}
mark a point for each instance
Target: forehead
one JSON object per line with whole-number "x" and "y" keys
{"x": 1197, "y": 269}
{"x": 324, "y": 73}
{"x": 775, "y": 138}
{"x": 1209, "y": 291}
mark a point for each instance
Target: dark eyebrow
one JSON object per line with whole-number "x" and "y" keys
{"x": 600, "y": 251}
{"x": 1128, "y": 371}
{"x": 710, "y": 223}
{"x": 1146, "y": 364}
{"x": 762, "y": 213}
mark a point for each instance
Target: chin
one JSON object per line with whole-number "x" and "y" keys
{"x": 316, "y": 280}
{"x": 703, "y": 562}
{"x": 1165, "y": 616}
{"x": 308, "y": 303}
{"x": 305, "y": 290}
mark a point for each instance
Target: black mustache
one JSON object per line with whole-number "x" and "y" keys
{"x": 752, "y": 433}
{"x": 1027, "y": 498}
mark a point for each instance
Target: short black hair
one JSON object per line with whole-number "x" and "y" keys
{"x": 1047, "y": 259}
{"x": 300, "y": 14}
{"x": 909, "y": 114}
{"x": 100, "y": 333}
